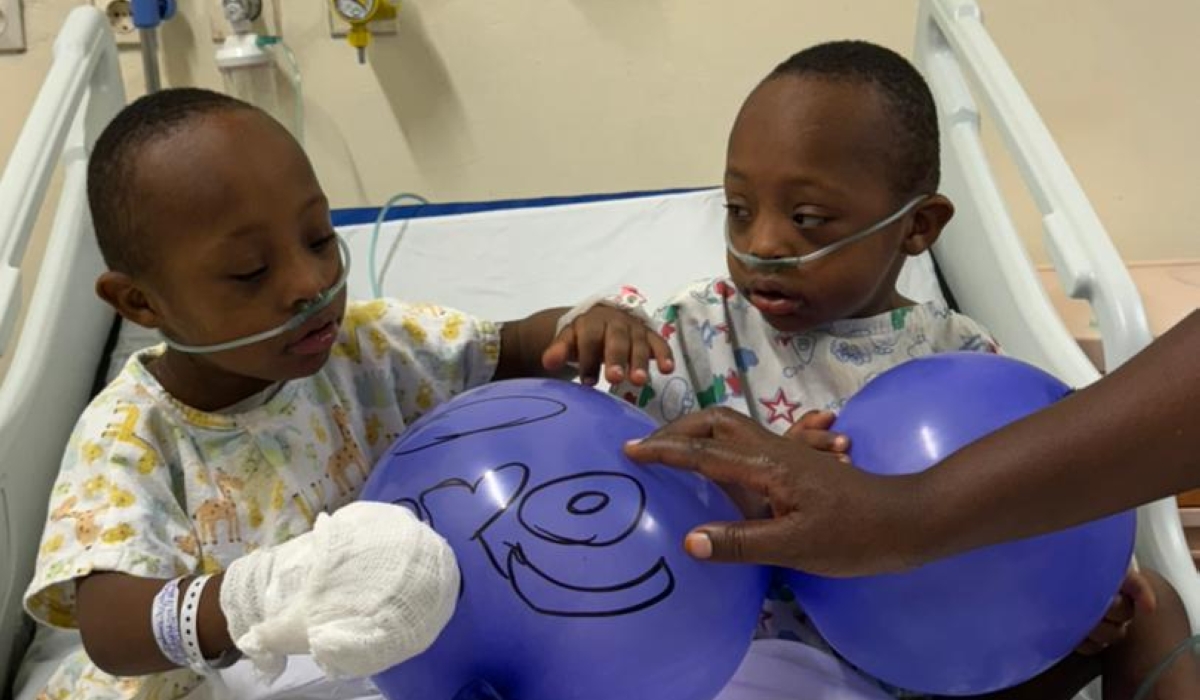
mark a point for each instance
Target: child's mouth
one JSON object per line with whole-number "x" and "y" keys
{"x": 774, "y": 303}
{"x": 316, "y": 341}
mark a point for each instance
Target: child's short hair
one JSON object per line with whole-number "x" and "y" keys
{"x": 916, "y": 167}
{"x": 111, "y": 167}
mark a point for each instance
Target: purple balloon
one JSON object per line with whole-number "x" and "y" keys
{"x": 575, "y": 586}
{"x": 994, "y": 617}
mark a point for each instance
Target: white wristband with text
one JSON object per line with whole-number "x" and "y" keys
{"x": 627, "y": 299}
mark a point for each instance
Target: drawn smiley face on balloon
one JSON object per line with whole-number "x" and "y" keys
{"x": 573, "y": 574}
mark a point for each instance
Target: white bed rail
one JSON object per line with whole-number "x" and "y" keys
{"x": 50, "y": 377}
{"x": 987, "y": 268}
{"x": 85, "y": 65}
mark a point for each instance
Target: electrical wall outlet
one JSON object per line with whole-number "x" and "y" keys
{"x": 12, "y": 26}
{"x": 120, "y": 20}
{"x": 265, "y": 17}
{"x": 338, "y": 28}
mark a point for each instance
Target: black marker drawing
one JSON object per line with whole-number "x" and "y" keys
{"x": 582, "y": 496}
{"x": 587, "y": 502}
{"x": 497, "y": 489}
{"x": 603, "y": 490}
{"x": 536, "y": 588}
{"x": 593, "y": 509}
{"x": 525, "y": 410}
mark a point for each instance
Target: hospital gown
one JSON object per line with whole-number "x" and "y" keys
{"x": 150, "y": 487}
{"x": 726, "y": 354}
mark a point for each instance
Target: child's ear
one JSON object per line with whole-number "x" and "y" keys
{"x": 129, "y": 300}
{"x": 929, "y": 218}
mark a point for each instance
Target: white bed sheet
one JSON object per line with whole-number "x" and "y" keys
{"x": 773, "y": 669}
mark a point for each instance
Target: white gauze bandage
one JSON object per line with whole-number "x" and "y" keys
{"x": 370, "y": 586}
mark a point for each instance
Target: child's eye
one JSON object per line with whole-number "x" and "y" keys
{"x": 736, "y": 212}
{"x": 323, "y": 243}
{"x": 252, "y": 276}
{"x": 803, "y": 220}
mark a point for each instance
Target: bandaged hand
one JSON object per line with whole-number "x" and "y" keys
{"x": 370, "y": 586}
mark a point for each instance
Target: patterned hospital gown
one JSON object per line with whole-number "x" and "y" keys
{"x": 153, "y": 488}
{"x": 726, "y": 354}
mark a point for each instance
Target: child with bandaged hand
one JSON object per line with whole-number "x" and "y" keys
{"x": 205, "y": 507}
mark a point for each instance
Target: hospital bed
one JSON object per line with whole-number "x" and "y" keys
{"x": 505, "y": 259}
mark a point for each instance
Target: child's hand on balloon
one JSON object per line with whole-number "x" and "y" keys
{"x": 1135, "y": 597}
{"x": 614, "y": 338}
{"x": 813, "y": 429}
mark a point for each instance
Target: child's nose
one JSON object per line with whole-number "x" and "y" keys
{"x": 770, "y": 238}
{"x": 308, "y": 281}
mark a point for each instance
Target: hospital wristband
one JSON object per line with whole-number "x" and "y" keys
{"x": 627, "y": 299}
{"x": 189, "y": 616}
{"x": 164, "y": 620}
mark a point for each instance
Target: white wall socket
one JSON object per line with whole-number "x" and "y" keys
{"x": 12, "y": 26}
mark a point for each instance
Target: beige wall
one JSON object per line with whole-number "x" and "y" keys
{"x": 476, "y": 100}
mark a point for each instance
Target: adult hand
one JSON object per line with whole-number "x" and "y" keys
{"x": 825, "y": 518}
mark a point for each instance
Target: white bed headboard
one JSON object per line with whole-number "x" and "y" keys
{"x": 509, "y": 263}
{"x": 50, "y": 377}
